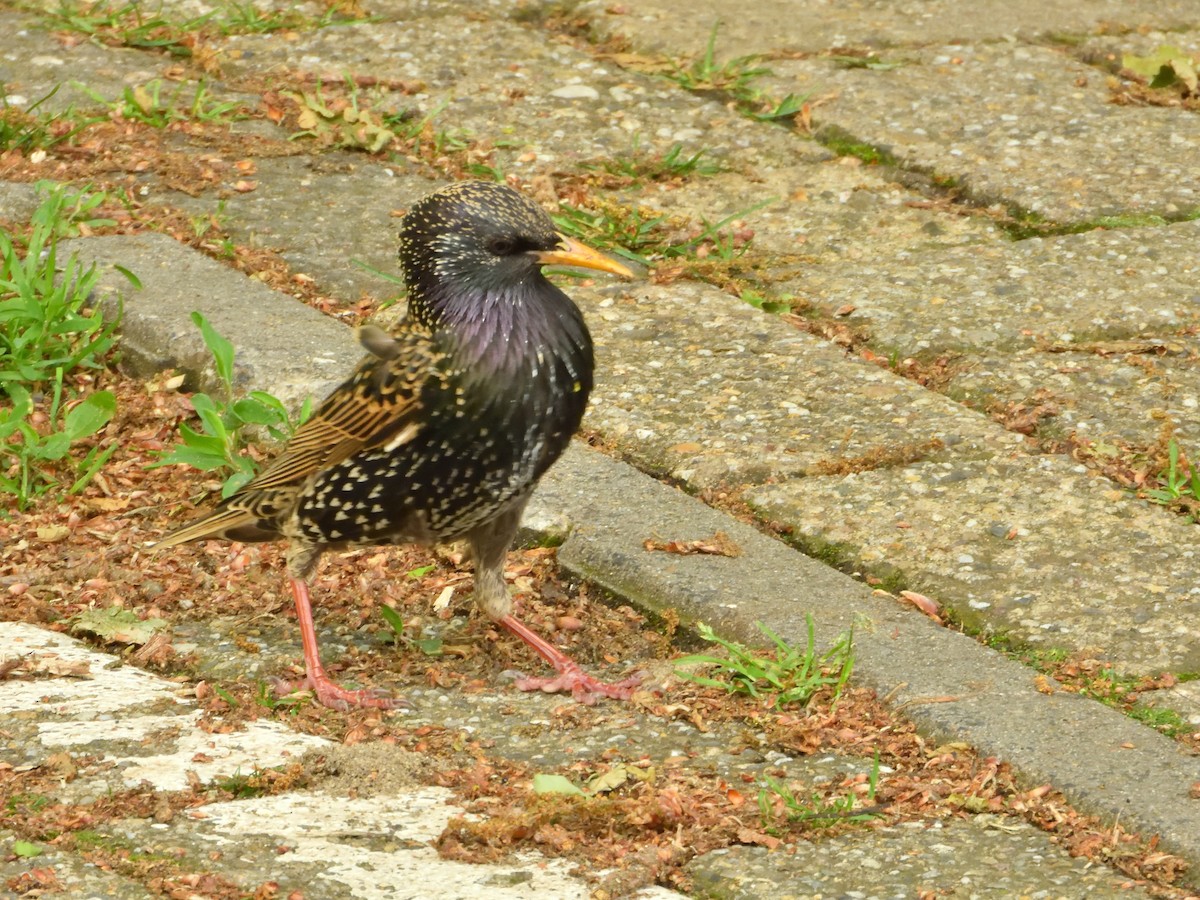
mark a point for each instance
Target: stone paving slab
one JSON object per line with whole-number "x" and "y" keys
{"x": 813, "y": 25}
{"x": 104, "y": 711}
{"x": 950, "y": 685}
{"x": 1019, "y": 125}
{"x": 324, "y": 217}
{"x": 1013, "y": 123}
{"x": 1123, "y": 391}
{"x": 157, "y": 332}
{"x": 987, "y": 538}
{"x": 1082, "y": 287}
{"x": 33, "y": 64}
{"x": 586, "y": 109}
{"x": 825, "y": 211}
{"x": 338, "y": 846}
{"x": 981, "y": 859}
{"x": 17, "y": 201}
{"x": 694, "y": 384}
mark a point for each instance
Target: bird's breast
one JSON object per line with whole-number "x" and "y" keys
{"x": 488, "y": 429}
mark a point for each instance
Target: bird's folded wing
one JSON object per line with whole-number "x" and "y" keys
{"x": 380, "y": 404}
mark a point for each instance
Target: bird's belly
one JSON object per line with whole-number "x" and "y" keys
{"x": 376, "y": 498}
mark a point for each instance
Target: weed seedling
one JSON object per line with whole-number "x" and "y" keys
{"x": 46, "y": 332}
{"x": 637, "y": 234}
{"x": 220, "y": 443}
{"x": 1178, "y": 481}
{"x": 761, "y": 301}
{"x": 45, "y": 324}
{"x": 27, "y": 129}
{"x": 26, "y": 451}
{"x": 736, "y": 78}
{"x": 430, "y": 646}
{"x": 706, "y": 74}
{"x": 129, "y": 26}
{"x": 776, "y": 800}
{"x": 791, "y": 675}
{"x": 786, "y": 109}
{"x": 672, "y": 165}
{"x": 149, "y": 105}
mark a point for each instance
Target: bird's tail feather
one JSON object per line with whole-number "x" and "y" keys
{"x": 222, "y": 523}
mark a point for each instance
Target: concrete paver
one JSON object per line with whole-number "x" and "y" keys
{"x": 337, "y": 846}
{"x": 1015, "y": 124}
{"x": 988, "y": 534}
{"x": 984, "y": 859}
{"x": 813, "y": 26}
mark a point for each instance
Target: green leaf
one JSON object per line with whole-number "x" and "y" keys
{"x": 429, "y": 646}
{"x": 226, "y": 696}
{"x": 197, "y": 457}
{"x": 237, "y": 480}
{"x": 253, "y": 411}
{"x": 133, "y": 279}
{"x": 1165, "y": 66}
{"x": 221, "y": 349}
{"x": 555, "y": 784}
{"x": 210, "y": 417}
{"x": 26, "y": 849}
{"x": 270, "y": 401}
{"x": 53, "y": 446}
{"x": 118, "y": 625}
{"x": 92, "y": 464}
{"x": 90, "y": 416}
{"x": 393, "y": 618}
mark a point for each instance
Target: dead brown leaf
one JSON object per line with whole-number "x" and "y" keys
{"x": 719, "y": 544}
{"x": 927, "y": 605}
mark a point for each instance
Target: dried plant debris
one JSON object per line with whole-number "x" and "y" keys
{"x": 720, "y": 544}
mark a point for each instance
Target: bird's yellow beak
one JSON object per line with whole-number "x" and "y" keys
{"x": 571, "y": 252}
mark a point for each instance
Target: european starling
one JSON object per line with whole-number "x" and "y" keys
{"x": 446, "y": 425}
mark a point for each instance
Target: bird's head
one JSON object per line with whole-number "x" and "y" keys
{"x": 477, "y": 239}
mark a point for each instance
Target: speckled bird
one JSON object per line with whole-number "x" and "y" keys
{"x": 446, "y": 425}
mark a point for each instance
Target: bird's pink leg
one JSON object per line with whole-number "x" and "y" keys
{"x": 327, "y": 692}
{"x": 571, "y": 677}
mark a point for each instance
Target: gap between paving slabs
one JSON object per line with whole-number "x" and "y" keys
{"x": 948, "y": 684}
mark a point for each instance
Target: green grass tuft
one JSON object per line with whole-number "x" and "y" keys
{"x": 788, "y": 674}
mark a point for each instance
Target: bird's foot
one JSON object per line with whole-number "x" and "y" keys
{"x": 333, "y": 696}
{"x": 585, "y": 688}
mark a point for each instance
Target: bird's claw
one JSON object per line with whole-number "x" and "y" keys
{"x": 333, "y": 696}
{"x": 585, "y": 688}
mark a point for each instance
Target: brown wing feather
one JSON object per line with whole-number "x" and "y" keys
{"x": 380, "y": 402}
{"x": 381, "y": 398}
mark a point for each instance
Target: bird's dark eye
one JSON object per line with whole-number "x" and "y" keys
{"x": 501, "y": 246}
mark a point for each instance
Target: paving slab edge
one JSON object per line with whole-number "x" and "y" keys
{"x": 951, "y": 686}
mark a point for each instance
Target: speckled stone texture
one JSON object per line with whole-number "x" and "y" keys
{"x": 813, "y": 25}
{"x": 987, "y": 858}
{"x": 991, "y": 537}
